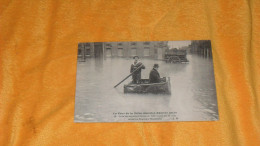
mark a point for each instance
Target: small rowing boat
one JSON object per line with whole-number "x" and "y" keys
{"x": 164, "y": 87}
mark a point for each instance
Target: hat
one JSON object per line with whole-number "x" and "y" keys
{"x": 155, "y": 65}
{"x": 135, "y": 56}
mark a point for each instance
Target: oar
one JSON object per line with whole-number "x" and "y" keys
{"x": 128, "y": 76}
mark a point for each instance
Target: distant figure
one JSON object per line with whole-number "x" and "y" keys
{"x": 154, "y": 76}
{"x": 136, "y": 76}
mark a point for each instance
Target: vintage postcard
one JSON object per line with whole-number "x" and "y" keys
{"x": 149, "y": 81}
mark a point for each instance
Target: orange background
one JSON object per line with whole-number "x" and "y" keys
{"x": 38, "y": 52}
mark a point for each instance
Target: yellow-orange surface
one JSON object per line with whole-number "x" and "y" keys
{"x": 38, "y": 52}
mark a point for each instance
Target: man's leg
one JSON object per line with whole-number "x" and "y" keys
{"x": 134, "y": 79}
{"x": 138, "y": 78}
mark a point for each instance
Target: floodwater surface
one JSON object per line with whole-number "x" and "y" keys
{"x": 193, "y": 90}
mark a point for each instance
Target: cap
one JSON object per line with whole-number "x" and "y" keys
{"x": 135, "y": 56}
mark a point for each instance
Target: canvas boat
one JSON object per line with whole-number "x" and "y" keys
{"x": 164, "y": 87}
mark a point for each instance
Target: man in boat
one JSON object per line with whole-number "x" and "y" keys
{"x": 136, "y": 76}
{"x": 154, "y": 76}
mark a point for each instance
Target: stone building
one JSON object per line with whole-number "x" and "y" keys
{"x": 154, "y": 50}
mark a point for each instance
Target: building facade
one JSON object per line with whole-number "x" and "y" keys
{"x": 154, "y": 50}
{"x": 201, "y": 47}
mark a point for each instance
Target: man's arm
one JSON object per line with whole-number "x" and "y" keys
{"x": 158, "y": 78}
{"x": 141, "y": 64}
{"x": 151, "y": 76}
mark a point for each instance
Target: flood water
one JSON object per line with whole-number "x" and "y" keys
{"x": 193, "y": 90}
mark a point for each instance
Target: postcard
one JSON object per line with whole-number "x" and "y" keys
{"x": 145, "y": 81}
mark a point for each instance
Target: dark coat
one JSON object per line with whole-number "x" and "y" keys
{"x": 136, "y": 76}
{"x": 154, "y": 76}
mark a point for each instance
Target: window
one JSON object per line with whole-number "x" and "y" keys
{"x": 87, "y": 49}
{"x": 108, "y": 45}
{"x": 87, "y": 53}
{"x": 119, "y": 44}
{"x": 146, "y": 43}
{"x": 161, "y": 44}
{"x": 120, "y": 52}
{"x": 146, "y": 51}
{"x": 133, "y": 43}
{"x": 133, "y": 52}
{"x": 155, "y": 51}
{"x": 108, "y": 52}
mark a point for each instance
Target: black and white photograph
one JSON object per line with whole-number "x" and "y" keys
{"x": 145, "y": 81}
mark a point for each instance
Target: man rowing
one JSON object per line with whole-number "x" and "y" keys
{"x": 136, "y": 76}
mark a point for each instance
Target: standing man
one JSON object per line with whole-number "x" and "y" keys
{"x": 154, "y": 76}
{"x": 136, "y": 76}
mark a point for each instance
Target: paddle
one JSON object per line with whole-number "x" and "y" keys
{"x": 128, "y": 76}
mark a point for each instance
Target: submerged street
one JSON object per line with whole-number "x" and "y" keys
{"x": 193, "y": 91}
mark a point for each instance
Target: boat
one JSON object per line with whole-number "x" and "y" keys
{"x": 164, "y": 87}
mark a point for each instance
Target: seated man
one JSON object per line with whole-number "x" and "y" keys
{"x": 154, "y": 76}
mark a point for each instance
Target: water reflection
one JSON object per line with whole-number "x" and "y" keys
{"x": 192, "y": 84}
{"x": 98, "y": 64}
